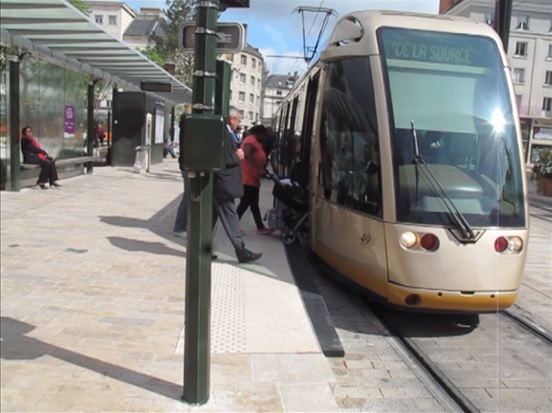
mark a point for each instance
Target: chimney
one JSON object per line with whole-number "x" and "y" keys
{"x": 444, "y": 5}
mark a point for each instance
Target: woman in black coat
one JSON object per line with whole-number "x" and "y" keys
{"x": 34, "y": 154}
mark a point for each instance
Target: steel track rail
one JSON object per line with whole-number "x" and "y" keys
{"x": 463, "y": 403}
{"x": 528, "y": 324}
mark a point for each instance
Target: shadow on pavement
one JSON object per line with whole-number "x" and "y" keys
{"x": 17, "y": 346}
{"x": 145, "y": 246}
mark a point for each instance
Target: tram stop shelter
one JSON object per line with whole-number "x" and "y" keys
{"x": 54, "y": 56}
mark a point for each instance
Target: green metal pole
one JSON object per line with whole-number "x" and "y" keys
{"x": 90, "y": 132}
{"x": 197, "y": 332}
{"x": 503, "y": 15}
{"x": 222, "y": 94}
{"x": 15, "y": 157}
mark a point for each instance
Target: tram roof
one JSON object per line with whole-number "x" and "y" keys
{"x": 56, "y": 29}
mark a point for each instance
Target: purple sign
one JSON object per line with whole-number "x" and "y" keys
{"x": 69, "y": 119}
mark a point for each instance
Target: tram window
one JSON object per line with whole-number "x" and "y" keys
{"x": 478, "y": 165}
{"x": 350, "y": 164}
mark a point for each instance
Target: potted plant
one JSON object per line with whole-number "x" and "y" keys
{"x": 543, "y": 170}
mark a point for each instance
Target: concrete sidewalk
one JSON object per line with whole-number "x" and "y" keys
{"x": 92, "y": 306}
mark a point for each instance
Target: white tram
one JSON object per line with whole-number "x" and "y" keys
{"x": 416, "y": 182}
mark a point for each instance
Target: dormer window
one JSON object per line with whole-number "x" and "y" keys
{"x": 523, "y": 23}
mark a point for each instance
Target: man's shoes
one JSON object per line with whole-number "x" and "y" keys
{"x": 247, "y": 256}
{"x": 180, "y": 234}
{"x": 56, "y": 185}
{"x": 42, "y": 186}
{"x": 265, "y": 231}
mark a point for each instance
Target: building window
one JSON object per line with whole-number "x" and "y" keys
{"x": 254, "y": 63}
{"x": 519, "y": 75}
{"x": 547, "y": 104}
{"x": 278, "y": 93}
{"x": 549, "y": 55}
{"x": 108, "y": 103}
{"x": 252, "y": 80}
{"x": 242, "y": 78}
{"x": 548, "y": 78}
{"x": 521, "y": 49}
{"x": 243, "y": 59}
{"x": 523, "y": 23}
{"x": 112, "y": 20}
{"x": 489, "y": 18}
{"x": 242, "y": 97}
{"x": 252, "y": 98}
{"x": 251, "y": 118}
{"x": 259, "y": 83}
{"x": 98, "y": 18}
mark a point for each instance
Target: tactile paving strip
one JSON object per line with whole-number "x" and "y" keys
{"x": 228, "y": 327}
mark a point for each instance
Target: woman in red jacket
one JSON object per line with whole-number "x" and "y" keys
{"x": 34, "y": 154}
{"x": 253, "y": 166}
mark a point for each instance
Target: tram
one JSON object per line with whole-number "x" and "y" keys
{"x": 416, "y": 183}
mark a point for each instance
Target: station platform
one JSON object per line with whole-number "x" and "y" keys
{"x": 92, "y": 305}
{"x": 92, "y": 312}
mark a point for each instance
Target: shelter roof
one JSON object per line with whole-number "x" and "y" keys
{"x": 56, "y": 29}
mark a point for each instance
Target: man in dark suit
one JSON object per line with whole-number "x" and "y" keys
{"x": 228, "y": 185}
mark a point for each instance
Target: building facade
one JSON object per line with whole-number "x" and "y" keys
{"x": 275, "y": 89}
{"x": 113, "y": 16}
{"x": 147, "y": 23}
{"x": 246, "y": 84}
{"x": 530, "y": 55}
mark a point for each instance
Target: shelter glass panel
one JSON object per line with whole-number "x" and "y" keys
{"x": 53, "y": 103}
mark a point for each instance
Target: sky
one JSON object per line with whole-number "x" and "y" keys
{"x": 276, "y": 28}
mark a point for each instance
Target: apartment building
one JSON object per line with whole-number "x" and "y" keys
{"x": 246, "y": 83}
{"x": 275, "y": 89}
{"x": 114, "y": 16}
{"x": 530, "y": 55}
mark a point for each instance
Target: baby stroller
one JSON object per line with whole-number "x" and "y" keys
{"x": 291, "y": 211}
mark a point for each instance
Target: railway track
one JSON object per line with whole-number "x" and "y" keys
{"x": 516, "y": 313}
{"x": 480, "y": 362}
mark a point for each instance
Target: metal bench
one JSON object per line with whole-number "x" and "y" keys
{"x": 67, "y": 168}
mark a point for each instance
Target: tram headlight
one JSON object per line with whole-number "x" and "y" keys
{"x": 512, "y": 244}
{"x": 515, "y": 244}
{"x": 408, "y": 239}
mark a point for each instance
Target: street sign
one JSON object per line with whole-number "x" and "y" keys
{"x": 156, "y": 86}
{"x": 230, "y": 37}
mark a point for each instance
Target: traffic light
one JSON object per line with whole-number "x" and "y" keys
{"x": 224, "y": 4}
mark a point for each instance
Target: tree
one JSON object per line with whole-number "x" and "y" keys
{"x": 166, "y": 48}
{"x": 81, "y": 5}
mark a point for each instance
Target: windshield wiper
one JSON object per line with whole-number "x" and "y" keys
{"x": 422, "y": 166}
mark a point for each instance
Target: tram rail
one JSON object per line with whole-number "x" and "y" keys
{"x": 515, "y": 314}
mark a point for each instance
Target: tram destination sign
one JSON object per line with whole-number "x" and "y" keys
{"x": 230, "y": 37}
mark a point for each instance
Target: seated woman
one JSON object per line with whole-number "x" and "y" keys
{"x": 34, "y": 154}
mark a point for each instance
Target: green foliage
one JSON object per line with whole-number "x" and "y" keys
{"x": 166, "y": 49}
{"x": 153, "y": 54}
{"x": 543, "y": 167}
{"x": 81, "y": 5}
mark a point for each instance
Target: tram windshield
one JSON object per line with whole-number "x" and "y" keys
{"x": 453, "y": 87}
